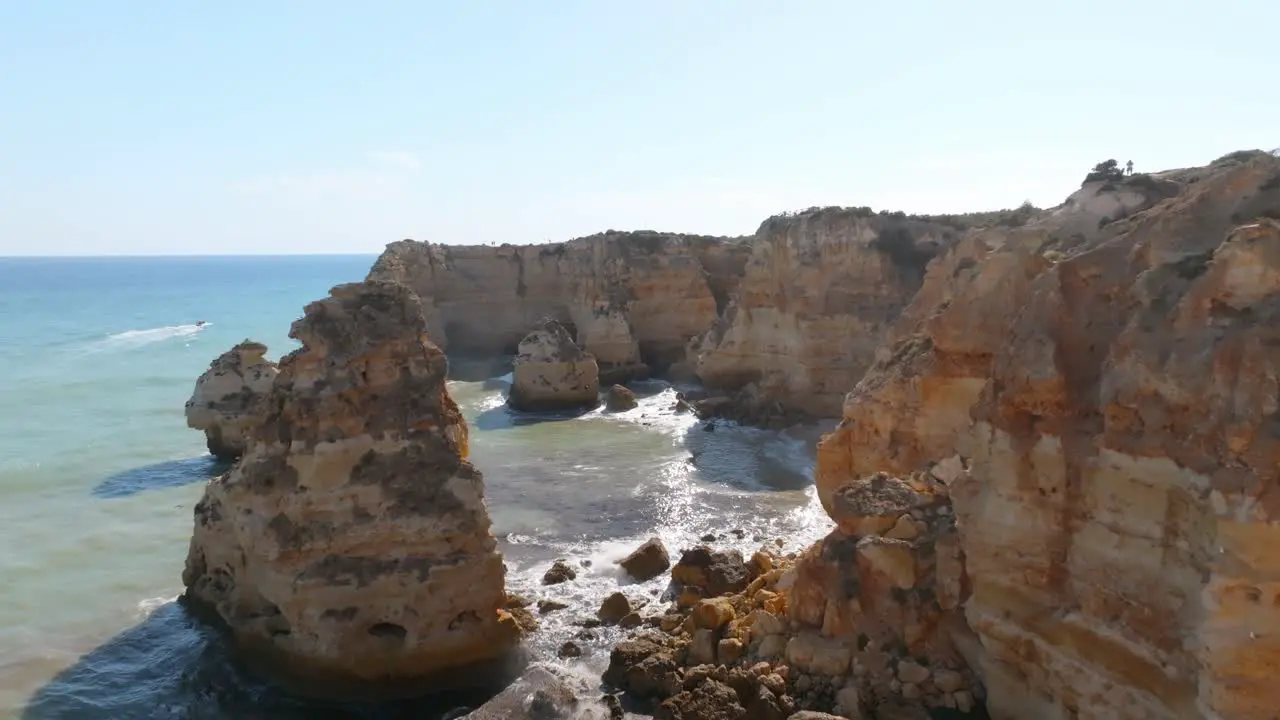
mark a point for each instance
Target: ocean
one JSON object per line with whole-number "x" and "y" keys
{"x": 99, "y": 473}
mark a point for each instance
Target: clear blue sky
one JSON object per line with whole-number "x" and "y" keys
{"x": 278, "y": 126}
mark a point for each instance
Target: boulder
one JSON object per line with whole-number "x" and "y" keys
{"x": 559, "y": 572}
{"x": 614, "y": 608}
{"x": 552, "y": 372}
{"x": 620, "y": 399}
{"x": 648, "y": 561}
{"x": 711, "y": 572}
{"x": 225, "y": 404}
{"x": 350, "y": 548}
{"x": 873, "y": 505}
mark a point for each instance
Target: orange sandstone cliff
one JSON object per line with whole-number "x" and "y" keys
{"x": 630, "y": 298}
{"x": 1097, "y": 394}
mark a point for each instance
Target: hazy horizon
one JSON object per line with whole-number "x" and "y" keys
{"x": 324, "y": 128}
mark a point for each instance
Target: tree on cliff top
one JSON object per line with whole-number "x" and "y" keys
{"x": 1105, "y": 170}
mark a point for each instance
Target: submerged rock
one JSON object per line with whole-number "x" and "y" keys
{"x": 543, "y": 692}
{"x": 559, "y": 572}
{"x": 225, "y": 402}
{"x": 552, "y": 372}
{"x": 350, "y": 547}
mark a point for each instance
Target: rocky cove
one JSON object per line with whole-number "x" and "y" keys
{"x": 1047, "y": 493}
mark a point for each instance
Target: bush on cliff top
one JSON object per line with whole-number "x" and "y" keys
{"x": 1008, "y": 217}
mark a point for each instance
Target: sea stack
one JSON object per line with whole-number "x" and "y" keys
{"x": 224, "y": 404}
{"x": 350, "y": 547}
{"x": 552, "y": 372}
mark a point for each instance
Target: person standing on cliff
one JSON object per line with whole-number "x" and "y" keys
{"x": 1128, "y": 168}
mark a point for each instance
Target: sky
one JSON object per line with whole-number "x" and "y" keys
{"x": 326, "y": 126}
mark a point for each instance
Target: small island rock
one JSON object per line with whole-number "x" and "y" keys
{"x": 552, "y": 372}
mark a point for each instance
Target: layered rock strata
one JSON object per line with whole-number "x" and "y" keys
{"x": 630, "y": 298}
{"x": 350, "y": 546}
{"x": 225, "y": 402}
{"x": 552, "y": 372}
{"x": 1098, "y": 396}
{"x": 820, "y": 291}
{"x": 757, "y": 315}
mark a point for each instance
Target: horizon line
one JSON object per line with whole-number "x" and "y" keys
{"x": 190, "y": 256}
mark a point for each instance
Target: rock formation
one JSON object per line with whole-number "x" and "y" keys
{"x": 351, "y": 544}
{"x": 819, "y": 293}
{"x": 552, "y": 372}
{"x": 752, "y": 317}
{"x": 224, "y": 404}
{"x": 631, "y": 298}
{"x": 1098, "y": 396}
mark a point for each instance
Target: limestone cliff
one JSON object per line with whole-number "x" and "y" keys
{"x": 1100, "y": 396}
{"x": 224, "y": 404}
{"x": 351, "y": 543}
{"x": 819, "y": 292}
{"x": 552, "y": 372}
{"x": 628, "y": 297}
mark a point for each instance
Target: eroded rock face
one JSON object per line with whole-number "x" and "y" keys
{"x": 224, "y": 404}
{"x": 1100, "y": 406}
{"x": 351, "y": 544}
{"x": 631, "y": 297}
{"x": 552, "y": 372}
{"x": 884, "y": 593}
{"x": 819, "y": 293}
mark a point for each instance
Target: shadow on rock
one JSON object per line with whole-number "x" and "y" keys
{"x": 161, "y": 475}
{"x": 172, "y": 665}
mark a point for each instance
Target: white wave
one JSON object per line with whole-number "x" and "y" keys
{"x": 149, "y": 605}
{"x": 138, "y": 338}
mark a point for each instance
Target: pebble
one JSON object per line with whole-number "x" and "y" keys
{"x": 948, "y": 681}
{"x": 911, "y": 672}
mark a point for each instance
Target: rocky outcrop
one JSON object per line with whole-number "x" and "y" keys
{"x": 1098, "y": 396}
{"x": 350, "y": 546}
{"x": 820, "y": 291}
{"x": 630, "y": 298}
{"x": 552, "y": 372}
{"x": 884, "y": 595}
{"x": 224, "y": 404}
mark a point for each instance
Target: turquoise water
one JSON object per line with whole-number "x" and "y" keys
{"x": 98, "y": 475}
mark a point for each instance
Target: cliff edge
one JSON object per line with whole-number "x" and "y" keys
{"x": 1098, "y": 396}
